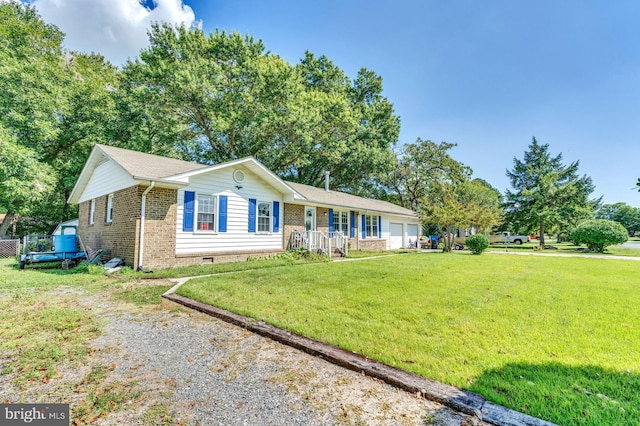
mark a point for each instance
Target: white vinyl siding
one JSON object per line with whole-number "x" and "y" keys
{"x": 237, "y": 237}
{"x": 107, "y": 178}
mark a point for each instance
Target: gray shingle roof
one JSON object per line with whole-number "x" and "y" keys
{"x": 341, "y": 199}
{"x": 145, "y": 165}
{"x": 140, "y": 164}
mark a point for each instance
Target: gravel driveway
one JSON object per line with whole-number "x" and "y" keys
{"x": 181, "y": 367}
{"x": 212, "y": 373}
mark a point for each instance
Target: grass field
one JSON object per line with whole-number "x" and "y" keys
{"x": 557, "y": 338}
{"x": 567, "y": 248}
{"x": 45, "y": 331}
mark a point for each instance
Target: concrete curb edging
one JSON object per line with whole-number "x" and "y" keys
{"x": 457, "y": 399}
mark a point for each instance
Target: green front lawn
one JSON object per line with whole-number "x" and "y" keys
{"x": 557, "y": 338}
{"x": 566, "y": 248}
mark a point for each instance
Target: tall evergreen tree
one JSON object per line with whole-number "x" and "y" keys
{"x": 547, "y": 195}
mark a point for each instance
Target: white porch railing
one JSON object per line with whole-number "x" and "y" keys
{"x": 319, "y": 242}
{"x": 340, "y": 242}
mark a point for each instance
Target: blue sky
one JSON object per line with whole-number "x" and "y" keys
{"x": 484, "y": 75}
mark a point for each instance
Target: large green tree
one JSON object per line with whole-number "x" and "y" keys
{"x": 627, "y": 216}
{"x": 482, "y": 204}
{"x": 546, "y": 194}
{"x": 32, "y": 98}
{"x": 24, "y": 181}
{"x": 219, "y": 96}
{"x": 54, "y": 105}
{"x": 470, "y": 205}
{"x": 33, "y": 80}
{"x": 419, "y": 170}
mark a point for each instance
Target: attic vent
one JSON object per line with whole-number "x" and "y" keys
{"x": 238, "y": 176}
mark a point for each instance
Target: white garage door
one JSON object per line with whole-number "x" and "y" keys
{"x": 412, "y": 232}
{"x": 395, "y": 238}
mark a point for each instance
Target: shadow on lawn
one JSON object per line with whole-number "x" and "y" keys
{"x": 566, "y": 395}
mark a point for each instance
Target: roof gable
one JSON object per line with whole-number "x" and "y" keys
{"x": 142, "y": 168}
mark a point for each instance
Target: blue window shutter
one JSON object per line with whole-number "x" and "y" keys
{"x": 222, "y": 214}
{"x": 353, "y": 224}
{"x": 331, "y": 220}
{"x": 276, "y": 216}
{"x": 187, "y": 212}
{"x": 379, "y": 226}
{"x": 364, "y": 227}
{"x": 252, "y": 215}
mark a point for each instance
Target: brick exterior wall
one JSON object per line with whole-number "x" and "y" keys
{"x": 293, "y": 219}
{"x": 160, "y": 228}
{"x": 117, "y": 238}
{"x": 371, "y": 244}
{"x": 120, "y": 237}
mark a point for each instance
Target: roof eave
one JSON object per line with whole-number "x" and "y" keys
{"x": 161, "y": 182}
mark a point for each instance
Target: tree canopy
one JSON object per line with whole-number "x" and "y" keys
{"x": 190, "y": 95}
{"x": 221, "y": 96}
{"x": 54, "y": 106}
{"x": 470, "y": 205}
{"x": 418, "y": 171}
{"x": 627, "y": 216}
{"x": 546, "y": 194}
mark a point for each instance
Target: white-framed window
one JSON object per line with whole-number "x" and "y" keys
{"x": 371, "y": 226}
{"x": 92, "y": 212}
{"x": 205, "y": 213}
{"x": 341, "y": 222}
{"x": 109, "y": 208}
{"x": 264, "y": 216}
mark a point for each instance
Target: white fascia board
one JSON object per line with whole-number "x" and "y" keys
{"x": 95, "y": 158}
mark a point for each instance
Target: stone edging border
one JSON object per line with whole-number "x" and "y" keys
{"x": 457, "y": 399}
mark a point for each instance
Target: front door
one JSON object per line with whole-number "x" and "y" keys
{"x": 309, "y": 218}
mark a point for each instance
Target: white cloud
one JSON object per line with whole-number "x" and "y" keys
{"x": 116, "y": 29}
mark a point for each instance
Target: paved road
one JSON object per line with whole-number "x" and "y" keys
{"x": 632, "y": 244}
